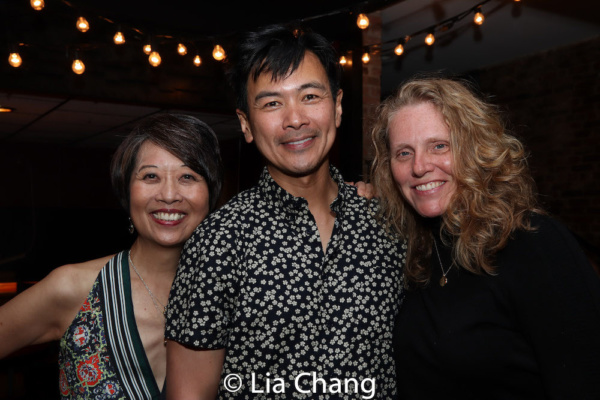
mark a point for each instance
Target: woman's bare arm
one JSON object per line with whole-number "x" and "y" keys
{"x": 43, "y": 312}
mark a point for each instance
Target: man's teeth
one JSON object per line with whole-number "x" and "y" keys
{"x": 300, "y": 141}
{"x": 168, "y": 216}
{"x": 429, "y": 186}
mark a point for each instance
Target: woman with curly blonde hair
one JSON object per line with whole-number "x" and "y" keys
{"x": 502, "y": 302}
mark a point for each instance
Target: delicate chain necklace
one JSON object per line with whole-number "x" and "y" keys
{"x": 155, "y": 300}
{"x": 443, "y": 279}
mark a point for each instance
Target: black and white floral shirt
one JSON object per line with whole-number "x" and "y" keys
{"x": 296, "y": 322}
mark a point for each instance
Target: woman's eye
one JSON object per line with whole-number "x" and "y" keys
{"x": 189, "y": 177}
{"x": 150, "y": 176}
{"x": 441, "y": 146}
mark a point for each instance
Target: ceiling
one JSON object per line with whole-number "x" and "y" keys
{"x": 43, "y": 119}
{"x": 53, "y": 105}
{"x": 511, "y": 30}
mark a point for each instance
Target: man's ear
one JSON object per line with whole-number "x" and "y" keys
{"x": 338, "y": 108}
{"x": 245, "y": 125}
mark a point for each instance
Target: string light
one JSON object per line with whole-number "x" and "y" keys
{"x": 37, "y": 5}
{"x": 430, "y": 39}
{"x": 154, "y": 59}
{"x": 197, "y": 61}
{"x": 78, "y": 66}
{"x": 218, "y": 53}
{"x": 82, "y": 24}
{"x": 119, "y": 38}
{"x": 479, "y": 18}
{"x": 362, "y": 21}
{"x": 14, "y": 59}
{"x": 366, "y": 58}
{"x": 399, "y": 49}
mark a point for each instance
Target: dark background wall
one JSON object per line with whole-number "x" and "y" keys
{"x": 552, "y": 100}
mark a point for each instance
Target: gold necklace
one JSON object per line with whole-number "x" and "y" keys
{"x": 155, "y": 300}
{"x": 443, "y": 279}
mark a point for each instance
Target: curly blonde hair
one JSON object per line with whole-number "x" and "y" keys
{"x": 495, "y": 192}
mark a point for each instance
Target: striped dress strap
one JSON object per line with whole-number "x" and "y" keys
{"x": 121, "y": 331}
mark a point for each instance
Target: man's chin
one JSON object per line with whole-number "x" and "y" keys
{"x": 297, "y": 171}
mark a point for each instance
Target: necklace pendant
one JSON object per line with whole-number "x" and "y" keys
{"x": 443, "y": 281}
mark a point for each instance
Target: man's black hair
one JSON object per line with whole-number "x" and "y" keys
{"x": 279, "y": 50}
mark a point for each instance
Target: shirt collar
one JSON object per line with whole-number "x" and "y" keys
{"x": 281, "y": 199}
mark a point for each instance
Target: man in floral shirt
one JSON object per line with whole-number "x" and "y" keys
{"x": 290, "y": 290}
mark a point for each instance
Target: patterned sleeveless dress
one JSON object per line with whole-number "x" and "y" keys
{"x": 101, "y": 354}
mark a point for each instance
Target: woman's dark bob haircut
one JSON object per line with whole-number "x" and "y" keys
{"x": 186, "y": 137}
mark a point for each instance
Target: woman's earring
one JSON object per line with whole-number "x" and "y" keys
{"x": 131, "y": 227}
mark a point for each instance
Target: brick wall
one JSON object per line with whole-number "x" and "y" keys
{"x": 371, "y": 90}
{"x": 553, "y": 102}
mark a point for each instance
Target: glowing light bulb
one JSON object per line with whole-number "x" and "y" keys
{"x": 218, "y": 53}
{"x": 82, "y": 24}
{"x": 14, "y": 59}
{"x": 197, "y": 60}
{"x": 78, "y": 67}
{"x": 147, "y": 49}
{"x": 430, "y": 39}
{"x": 362, "y": 21}
{"x": 343, "y": 60}
{"x": 366, "y": 58}
{"x": 37, "y": 5}
{"x": 479, "y": 18}
{"x": 154, "y": 59}
{"x": 399, "y": 49}
{"x": 181, "y": 49}
{"x": 119, "y": 38}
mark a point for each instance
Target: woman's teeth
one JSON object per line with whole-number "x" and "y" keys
{"x": 429, "y": 186}
{"x": 168, "y": 216}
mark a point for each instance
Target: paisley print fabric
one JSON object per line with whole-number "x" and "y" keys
{"x": 86, "y": 371}
{"x": 101, "y": 354}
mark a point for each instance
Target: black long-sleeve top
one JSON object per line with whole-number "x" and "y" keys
{"x": 531, "y": 332}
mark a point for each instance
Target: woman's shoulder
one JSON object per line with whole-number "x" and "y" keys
{"x": 545, "y": 230}
{"x": 76, "y": 271}
{"x": 76, "y": 280}
{"x": 549, "y": 245}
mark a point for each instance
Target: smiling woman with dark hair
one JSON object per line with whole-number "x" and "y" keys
{"x": 109, "y": 313}
{"x": 502, "y": 303}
